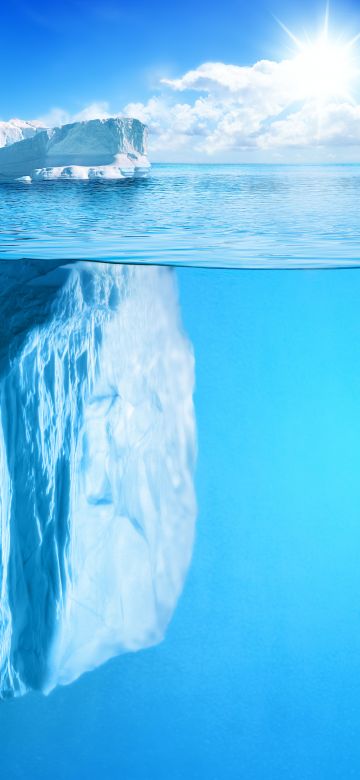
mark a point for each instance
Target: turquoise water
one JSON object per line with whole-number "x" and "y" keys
{"x": 203, "y": 215}
{"x": 259, "y": 675}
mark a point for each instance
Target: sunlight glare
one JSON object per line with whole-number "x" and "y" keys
{"x": 323, "y": 68}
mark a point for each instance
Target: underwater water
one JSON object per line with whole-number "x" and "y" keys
{"x": 258, "y": 675}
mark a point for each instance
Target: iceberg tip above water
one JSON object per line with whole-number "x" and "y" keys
{"x": 17, "y": 130}
{"x": 113, "y": 148}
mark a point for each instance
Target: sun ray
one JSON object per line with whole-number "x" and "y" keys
{"x": 324, "y": 67}
{"x": 353, "y": 41}
{"x": 291, "y": 35}
{"x": 326, "y": 21}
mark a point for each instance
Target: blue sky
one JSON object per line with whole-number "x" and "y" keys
{"x": 112, "y": 56}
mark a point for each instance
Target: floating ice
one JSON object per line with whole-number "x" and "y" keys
{"x": 97, "y": 149}
{"x": 97, "y": 437}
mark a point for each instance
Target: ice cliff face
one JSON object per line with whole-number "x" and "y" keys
{"x": 16, "y": 130}
{"x": 97, "y": 445}
{"x": 97, "y": 149}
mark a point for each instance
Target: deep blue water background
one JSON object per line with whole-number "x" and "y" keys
{"x": 259, "y": 675}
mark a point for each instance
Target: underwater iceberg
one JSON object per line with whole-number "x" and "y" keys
{"x": 97, "y": 444}
{"x": 95, "y": 149}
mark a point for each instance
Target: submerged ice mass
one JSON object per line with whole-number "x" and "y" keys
{"x": 97, "y": 442}
{"x": 96, "y": 149}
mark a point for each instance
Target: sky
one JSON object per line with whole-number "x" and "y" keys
{"x": 213, "y": 82}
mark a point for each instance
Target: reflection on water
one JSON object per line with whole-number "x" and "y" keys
{"x": 203, "y": 215}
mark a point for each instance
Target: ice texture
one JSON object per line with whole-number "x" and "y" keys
{"x": 16, "y": 130}
{"x": 96, "y": 149}
{"x": 97, "y": 442}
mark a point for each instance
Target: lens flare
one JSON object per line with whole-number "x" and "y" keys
{"x": 324, "y": 68}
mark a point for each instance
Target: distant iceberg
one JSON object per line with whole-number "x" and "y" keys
{"x": 96, "y": 149}
{"x": 97, "y": 443}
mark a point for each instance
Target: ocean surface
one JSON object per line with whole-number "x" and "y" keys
{"x": 225, "y": 216}
{"x": 258, "y": 677}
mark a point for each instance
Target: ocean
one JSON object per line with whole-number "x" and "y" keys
{"x": 236, "y": 216}
{"x": 258, "y": 676}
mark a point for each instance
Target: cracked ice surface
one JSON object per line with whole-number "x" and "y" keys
{"x": 97, "y": 441}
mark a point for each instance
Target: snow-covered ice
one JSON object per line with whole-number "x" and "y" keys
{"x": 95, "y": 149}
{"x": 16, "y": 130}
{"x": 97, "y": 442}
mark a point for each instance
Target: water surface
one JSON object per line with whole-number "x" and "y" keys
{"x": 225, "y": 216}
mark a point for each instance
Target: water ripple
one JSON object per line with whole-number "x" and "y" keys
{"x": 227, "y": 216}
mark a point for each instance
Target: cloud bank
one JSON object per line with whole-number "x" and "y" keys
{"x": 229, "y": 112}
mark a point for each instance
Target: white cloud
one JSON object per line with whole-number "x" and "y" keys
{"x": 227, "y": 112}
{"x": 240, "y": 110}
{"x": 335, "y": 124}
{"x": 58, "y": 116}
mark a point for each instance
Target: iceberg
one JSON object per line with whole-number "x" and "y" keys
{"x": 95, "y": 149}
{"x": 97, "y": 448}
{"x": 16, "y": 130}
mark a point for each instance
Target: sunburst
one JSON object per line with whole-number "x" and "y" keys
{"x": 324, "y": 67}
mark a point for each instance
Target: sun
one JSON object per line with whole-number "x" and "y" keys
{"x": 324, "y": 68}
